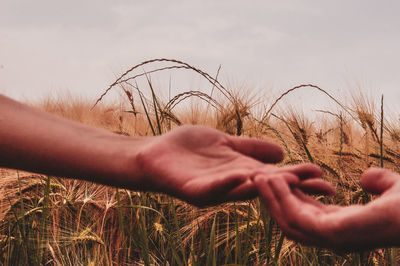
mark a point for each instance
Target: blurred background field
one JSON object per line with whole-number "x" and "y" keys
{"x": 48, "y": 220}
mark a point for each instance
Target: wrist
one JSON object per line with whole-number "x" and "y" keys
{"x": 127, "y": 169}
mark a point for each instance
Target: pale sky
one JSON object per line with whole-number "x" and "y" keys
{"x": 81, "y": 46}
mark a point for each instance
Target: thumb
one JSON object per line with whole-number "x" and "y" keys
{"x": 378, "y": 180}
{"x": 258, "y": 149}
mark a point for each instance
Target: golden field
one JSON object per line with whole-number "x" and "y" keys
{"x": 48, "y": 220}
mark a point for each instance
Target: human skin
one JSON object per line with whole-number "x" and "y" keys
{"x": 200, "y": 165}
{"x": 343, "y": 229}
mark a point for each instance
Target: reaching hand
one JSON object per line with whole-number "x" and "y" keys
{"x": 205, "y": 166}
{"x": 200, "y": 165}
{"x": 357, "y": 227}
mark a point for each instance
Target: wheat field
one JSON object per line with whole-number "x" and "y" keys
{"x": 53, "y": 221}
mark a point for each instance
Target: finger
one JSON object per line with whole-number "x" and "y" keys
{"x": 304, "y": 171}
{"x": 273, "y": 206}
{"x": 299, "y": 214}
{"x": 244, "y": 191}
{"x": 316, "y": 186}
{"x": 378, "y": 180}
{"x": 211, "y": 191}
{"x": 261, "y": 150}
{"x": 268, "y": 196}
{"x": 305, "y": 198}
{"x": 266, "y": 193}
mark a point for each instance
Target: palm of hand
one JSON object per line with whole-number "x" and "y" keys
{"x": 200, "y": 165}
{"x": 204, "y": 166}
{"x": 343, "y": 229}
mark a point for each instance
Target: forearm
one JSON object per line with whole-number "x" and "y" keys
{"x": 40, "y": 142}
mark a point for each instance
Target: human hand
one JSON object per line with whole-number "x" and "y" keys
{"x": 200, "y": 165}
{"x": 204, "y": 166}
{"x": 356, "y": 227}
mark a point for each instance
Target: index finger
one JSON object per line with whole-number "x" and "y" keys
{"x": 304, "y": 171}
{"x": 300, "y": 215}
{"x": 277, "y": 211}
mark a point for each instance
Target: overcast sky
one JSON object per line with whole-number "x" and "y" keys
{"x": 81, "y": 46}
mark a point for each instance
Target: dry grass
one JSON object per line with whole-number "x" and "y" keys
{"x": 46, "y": 220}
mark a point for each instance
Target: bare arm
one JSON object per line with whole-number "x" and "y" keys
{"x": 40, "y": 142}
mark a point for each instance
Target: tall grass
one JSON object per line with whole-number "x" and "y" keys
{"x": 47, "y": 220}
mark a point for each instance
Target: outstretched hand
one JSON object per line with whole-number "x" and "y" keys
{"x": 200, "y": 165}
{"x": 356, "y": 227}
{"x": 204, "y": 166}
